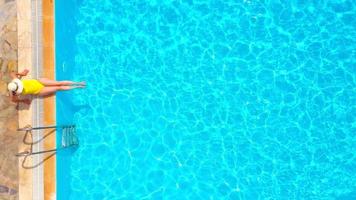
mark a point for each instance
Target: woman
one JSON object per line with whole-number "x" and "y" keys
{"x": 41, "y": 87}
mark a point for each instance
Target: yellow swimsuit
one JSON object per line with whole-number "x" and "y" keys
{"x": 31, "y": 86}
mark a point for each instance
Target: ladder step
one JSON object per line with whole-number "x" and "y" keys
{"x": 69, "y": 137}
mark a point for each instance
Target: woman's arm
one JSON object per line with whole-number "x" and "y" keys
{"x": 15, "y": 99}
{"x": 19, "y": 74}
{"x": 23, "y": 73}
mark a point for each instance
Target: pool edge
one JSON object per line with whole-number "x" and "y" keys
{"x": 36, "y": 53}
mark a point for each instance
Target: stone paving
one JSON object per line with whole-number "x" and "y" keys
{"x": 9, "y": 138}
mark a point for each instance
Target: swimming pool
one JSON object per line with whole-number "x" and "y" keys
{"x": 211, "y": 99}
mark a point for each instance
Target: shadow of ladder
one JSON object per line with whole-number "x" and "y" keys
{"x": 68, "y": 138}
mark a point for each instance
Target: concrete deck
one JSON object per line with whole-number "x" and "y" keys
{"x": 25, "y": 52}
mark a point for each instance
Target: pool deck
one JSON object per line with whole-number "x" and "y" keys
{"x": 9, "y": 138}
{"x": 25, "y": 115}
{"x": 36, "y": 53}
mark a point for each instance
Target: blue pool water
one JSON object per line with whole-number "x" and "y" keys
{"x": 213, "y": 99}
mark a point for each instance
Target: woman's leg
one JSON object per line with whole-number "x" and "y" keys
{"x": 49, "y": 82}
{"x": 47, "y": 91}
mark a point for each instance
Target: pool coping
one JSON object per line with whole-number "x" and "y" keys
{"x": 49, "y": 107}
{"x": 36, "y": 53}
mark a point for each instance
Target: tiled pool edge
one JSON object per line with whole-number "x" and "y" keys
{"x": 32, "y": 21}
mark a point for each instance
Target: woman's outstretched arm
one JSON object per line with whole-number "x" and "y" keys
{"x": 19, "y": 74}
{"x": 15, "y": 99}
{"x": 23, "y": 73}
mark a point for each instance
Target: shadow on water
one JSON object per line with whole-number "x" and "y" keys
{"x": 65, "y": 110}
{"x": 347, "y": 196}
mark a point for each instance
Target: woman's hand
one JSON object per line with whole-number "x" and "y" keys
{"x": 25, "y": 71}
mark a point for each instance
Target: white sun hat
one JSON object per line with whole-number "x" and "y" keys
{"x": 15, "y": 86}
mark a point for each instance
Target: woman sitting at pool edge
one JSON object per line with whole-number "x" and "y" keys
{"x": 42, "y": 87}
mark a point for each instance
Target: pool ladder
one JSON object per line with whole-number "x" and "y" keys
{"x": 69, "y": 138}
